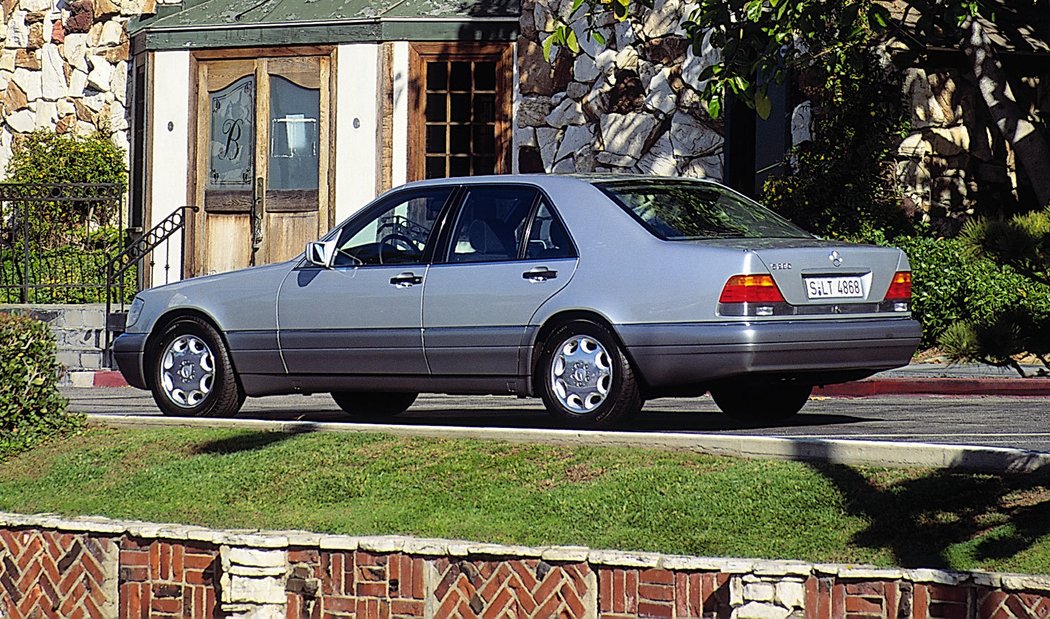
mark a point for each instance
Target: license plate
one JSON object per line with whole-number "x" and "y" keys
{"x": 834, "y": 288}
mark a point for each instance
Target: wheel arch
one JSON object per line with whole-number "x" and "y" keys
{"x": 554, "y": 321}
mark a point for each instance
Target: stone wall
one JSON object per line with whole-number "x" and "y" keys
{"x": 955, "y": 158}
{"x": 64, "y": 67}
{"x": 630, "y": 105}
{"x": 80, "y": 333}
{"x": 95, "y": 567}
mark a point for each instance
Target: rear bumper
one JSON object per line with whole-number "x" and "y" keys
{"x": 129, "y": 351}
{"x": 681, "y": 355}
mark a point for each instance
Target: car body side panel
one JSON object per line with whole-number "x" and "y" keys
{"x": 352, "y": 321}
{"x": 474, "y": 316}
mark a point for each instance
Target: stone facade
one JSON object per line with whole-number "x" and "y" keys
{"x": 64, "y": 67}
{"x": 80, "y": 333}
{"x": 95, "y": 567}
{"x": 630, "y": 105}
{"x": 954, "y": 155}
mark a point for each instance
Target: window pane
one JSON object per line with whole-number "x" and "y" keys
{"x": 460, "y": 108}
{"x": 459, "y": 79}
{"x": 436, "y": 139}
{"x": 484, "y": 139}
{"x": 397, "y": 235}
{"x": 294, "y": 145}
{"x": 490, "y": 224}
{"x": 437, "y": 76}
{"x": 436, "y": 167}
{"x": 484, "y": 108}
{"x": 484, "y": 165}
{"x": 459, "y": 166}
{"x": 484, "y": 76}
{"x": 436, "y": 108}
{"x": 459, "y": 139}
{"x": 548, "y": 238}
{"x": 231, "y": 153}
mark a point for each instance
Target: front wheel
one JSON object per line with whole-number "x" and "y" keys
{"x": 585, "y": 378}
{"x": 373, "y": 405}
{"x": 761, "y": 403}
{"x": 192, "y": 373}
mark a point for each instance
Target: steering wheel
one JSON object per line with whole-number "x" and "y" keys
{"x": 400, "y": 244}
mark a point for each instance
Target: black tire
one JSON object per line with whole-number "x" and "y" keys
{"x": 563, "y": 399}
{"x": 373, "y": 405}
{"x": 221, "y": 396}
{"x": 758, "y": 403}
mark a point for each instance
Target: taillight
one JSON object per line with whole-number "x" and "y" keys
{"x": 751, "y": 289}
{"x": 900, "y": 287}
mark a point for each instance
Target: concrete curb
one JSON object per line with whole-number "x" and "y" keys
{"x": 1020, "y": 387}
{"x": 833, "y": 451}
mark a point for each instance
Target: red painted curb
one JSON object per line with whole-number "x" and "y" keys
{"x": 1030, "y": 387}
{"x": 109, "y": 378}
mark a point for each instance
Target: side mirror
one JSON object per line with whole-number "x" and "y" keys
{"x": 320, "y": 253}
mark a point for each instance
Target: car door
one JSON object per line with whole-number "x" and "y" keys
{"x": 362, "y": 315}
{"x": 507, "y": 253}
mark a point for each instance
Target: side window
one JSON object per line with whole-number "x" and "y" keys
{"x": 491, "y": 224}
{"x": 397, "y": 235}
{"x": 548, "y": 238}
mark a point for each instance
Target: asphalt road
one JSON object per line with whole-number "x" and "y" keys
{"x": 1022, "y": 423}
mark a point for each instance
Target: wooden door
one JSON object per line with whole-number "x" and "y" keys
{"x": 263, "y": 149}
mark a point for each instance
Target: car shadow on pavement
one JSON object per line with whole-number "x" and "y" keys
{"x": 940, "y": 519}
{"x": 655, "y": 421}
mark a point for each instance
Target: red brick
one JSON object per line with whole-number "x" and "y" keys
{"x": 862, "y": 605}
{"x": 605, "y": 590}
{"x": 619, "y": 578}
{"x": 154, "y": 560}
{"x": 372, "y": 589}
{"x": 304, "y": 555}
{"x": 134, "y": 557}
{"x": 658, "y": 593}
{"x": 947, "y": 610}
{"x": 406, "y": 608}
{"x": 868, "y": 589}
{"x": 418, "y": 586}
{"x": 657, "y": 576}
{"x": 337, "y": 604}
{"x": 631, "y": 591}
{"x": 891, "y": 594}
{"x": 838, "y": 600}
{"x": 941, "y": 593}
{"x": 178, "y": 563}
{"x": 167, "y": 605}
{"x": 654, "y": 609}
{"x": 196, "y": 561}
{"x": 920, "y": 603}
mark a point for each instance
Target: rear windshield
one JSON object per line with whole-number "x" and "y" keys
{"x": 681, "y": 210}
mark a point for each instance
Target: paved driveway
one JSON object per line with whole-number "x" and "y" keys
{"x": 992, "y": 421}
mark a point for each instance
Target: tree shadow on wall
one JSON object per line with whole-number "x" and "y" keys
{"x": 920, "y": 519}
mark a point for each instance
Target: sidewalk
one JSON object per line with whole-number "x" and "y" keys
{"x": 943, "y": 379}
{"x": 914, "y": 379}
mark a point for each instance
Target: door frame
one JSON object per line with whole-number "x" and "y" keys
{"x": 418, "y": 55}
{"x": 193, "y": 252}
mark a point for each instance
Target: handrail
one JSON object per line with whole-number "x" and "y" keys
{"x": 119, "y": 264}
{"x": 149, "y": 241}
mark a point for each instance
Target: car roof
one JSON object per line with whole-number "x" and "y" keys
{"x": 551, "y": 180}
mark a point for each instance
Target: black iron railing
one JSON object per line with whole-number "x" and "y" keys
{"x": 55, "y": 240}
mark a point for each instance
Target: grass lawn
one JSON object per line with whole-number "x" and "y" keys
{"x": 627, "y": 499}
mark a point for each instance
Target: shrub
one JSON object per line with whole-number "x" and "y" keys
{"x": 44, "y": 157}
{"x": 952, "y": 289}
{"x": 31, "y": 408}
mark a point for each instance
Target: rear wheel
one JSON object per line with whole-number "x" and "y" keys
{"x": 192, "y": 373}
{"x": 586, "y": 379}
{"x": 373, "y": 405}
{"x": 761, "y": 402}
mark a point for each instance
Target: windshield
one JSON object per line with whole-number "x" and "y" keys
{"x": 683, "y": 210}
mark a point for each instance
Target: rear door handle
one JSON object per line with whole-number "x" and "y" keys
{"x": 406, "y": 280}
{"x": 539, "y": 274}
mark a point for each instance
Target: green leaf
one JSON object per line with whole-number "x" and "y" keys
{"x": 547, "y": 43}
{"x": 763, "y": 106}
{"x": 571, "y": 42}
{"x": 576, "y": 4}
{"x": 597, "y": 36}
{"x": 714, "y": 107}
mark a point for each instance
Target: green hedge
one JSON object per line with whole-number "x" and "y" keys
{"x": 31, "y": 408}
{"x": 949, "y": 287}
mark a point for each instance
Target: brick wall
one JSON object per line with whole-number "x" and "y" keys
{"x": 93, "y": 567}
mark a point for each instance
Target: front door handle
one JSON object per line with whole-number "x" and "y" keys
{"x": 406, "y": 280}
{"x": 539, "y": 274}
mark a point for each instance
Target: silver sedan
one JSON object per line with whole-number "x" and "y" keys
{"x": 595, "y": 293}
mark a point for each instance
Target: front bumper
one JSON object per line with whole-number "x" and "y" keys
{"x": 129, "y": 351}
{"x": 680, "y": 355}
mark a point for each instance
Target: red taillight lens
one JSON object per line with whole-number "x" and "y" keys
{"x": 900, "y": 287}
{"x": 751, "y": 289}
